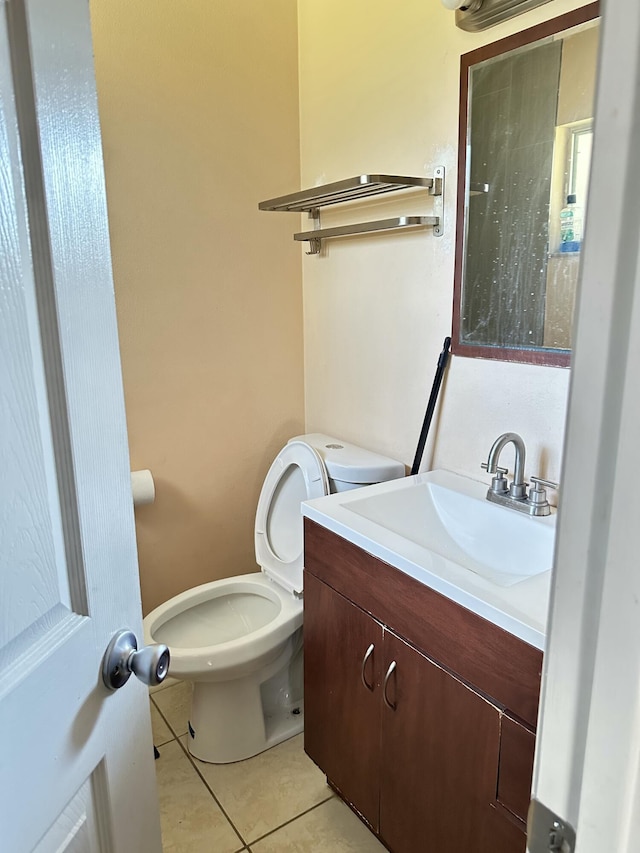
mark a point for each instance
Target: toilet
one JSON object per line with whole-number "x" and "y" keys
{"x": 239, "y": 639}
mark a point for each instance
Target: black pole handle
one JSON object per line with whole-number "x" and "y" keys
{"x": 443, "y": 360}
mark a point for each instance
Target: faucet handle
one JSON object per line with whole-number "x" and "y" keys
{"x": 548, "y": 484}
{"x": 485, "y": 466}
{"x": 499, "y": 483}
{"x": 538, "y": 494}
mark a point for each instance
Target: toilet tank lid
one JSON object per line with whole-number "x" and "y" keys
{"x": 349, "y": 463}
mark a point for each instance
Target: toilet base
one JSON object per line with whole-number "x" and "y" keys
{"x": 234, "y": 720}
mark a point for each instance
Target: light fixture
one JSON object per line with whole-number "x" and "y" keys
{"x": 475, "y": 15}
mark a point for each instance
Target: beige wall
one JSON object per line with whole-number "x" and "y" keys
{"x": 377, "y": 308}
{"x": 578, "y": 76}
{"x": 199, "y": 109}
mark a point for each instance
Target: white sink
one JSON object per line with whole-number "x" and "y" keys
{"x": 449, "y": 515}
{"x": 440, "y": 529}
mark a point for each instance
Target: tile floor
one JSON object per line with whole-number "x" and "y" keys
{"x": 277, "y": 802}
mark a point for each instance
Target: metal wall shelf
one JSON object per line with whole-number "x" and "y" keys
{"x": 356, "y": 189}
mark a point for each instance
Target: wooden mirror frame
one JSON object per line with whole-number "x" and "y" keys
{"x": 549, "y": 357}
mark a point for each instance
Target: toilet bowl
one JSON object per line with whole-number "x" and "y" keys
{"x": 239, "y": 639}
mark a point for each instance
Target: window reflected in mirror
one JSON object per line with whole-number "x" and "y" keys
{"x": 526, "y": 139}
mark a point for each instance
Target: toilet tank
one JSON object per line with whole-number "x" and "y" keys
{"x": 349, "y": 466}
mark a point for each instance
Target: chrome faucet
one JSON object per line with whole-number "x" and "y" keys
{"x": 515, "y": 495}
{"x": 518, "y": 488}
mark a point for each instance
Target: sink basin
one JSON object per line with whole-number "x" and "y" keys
{"x": 449, "y": 515}
{"x": 440, "y": 529}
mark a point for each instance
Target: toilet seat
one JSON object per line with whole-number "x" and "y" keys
{"x": 246, "y": 639}
{"x": 296, "y": 474}
{"x": 214, "y": 657}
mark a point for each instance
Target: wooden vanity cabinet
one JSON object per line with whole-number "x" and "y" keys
{"x": 429, "y": 760}
{"x": 439, "y": 748}
{"x": 343, "y": 711}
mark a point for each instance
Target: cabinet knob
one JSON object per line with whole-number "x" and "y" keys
{"x": 387, "y": 701}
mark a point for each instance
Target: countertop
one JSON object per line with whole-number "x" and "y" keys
{"x": 520, "y": 609}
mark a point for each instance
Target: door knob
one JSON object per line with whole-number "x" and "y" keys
{"x": 150, "y": 664}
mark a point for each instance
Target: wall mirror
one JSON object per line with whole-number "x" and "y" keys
{"x": 526, "y": 127}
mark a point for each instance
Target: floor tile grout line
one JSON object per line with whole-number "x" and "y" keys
{"x": 208, "y": 787}
{"x": 292, "y": 820}
{"x": 176, "y": 736}
{"x": 164, "y": 720}
{"x": 168, "y": 682}
{"x": 246, "y": 848}
{"x": 266, "y": 834}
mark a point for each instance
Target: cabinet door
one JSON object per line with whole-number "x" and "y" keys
{"x": 342, "y": 698}
{"x": 440, "y": 746}
{"x": 517, "y": 748}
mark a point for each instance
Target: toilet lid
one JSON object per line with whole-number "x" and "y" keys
{"x": 296, "y": 474}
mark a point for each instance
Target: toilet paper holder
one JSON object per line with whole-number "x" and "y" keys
{"x": 143, "y": 488}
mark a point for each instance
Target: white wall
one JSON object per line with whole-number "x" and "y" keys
{"x": 379, "y": 88}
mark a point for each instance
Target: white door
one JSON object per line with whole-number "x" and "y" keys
{"x": 588, "y": 748}
{"x": 76, "y": 762}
